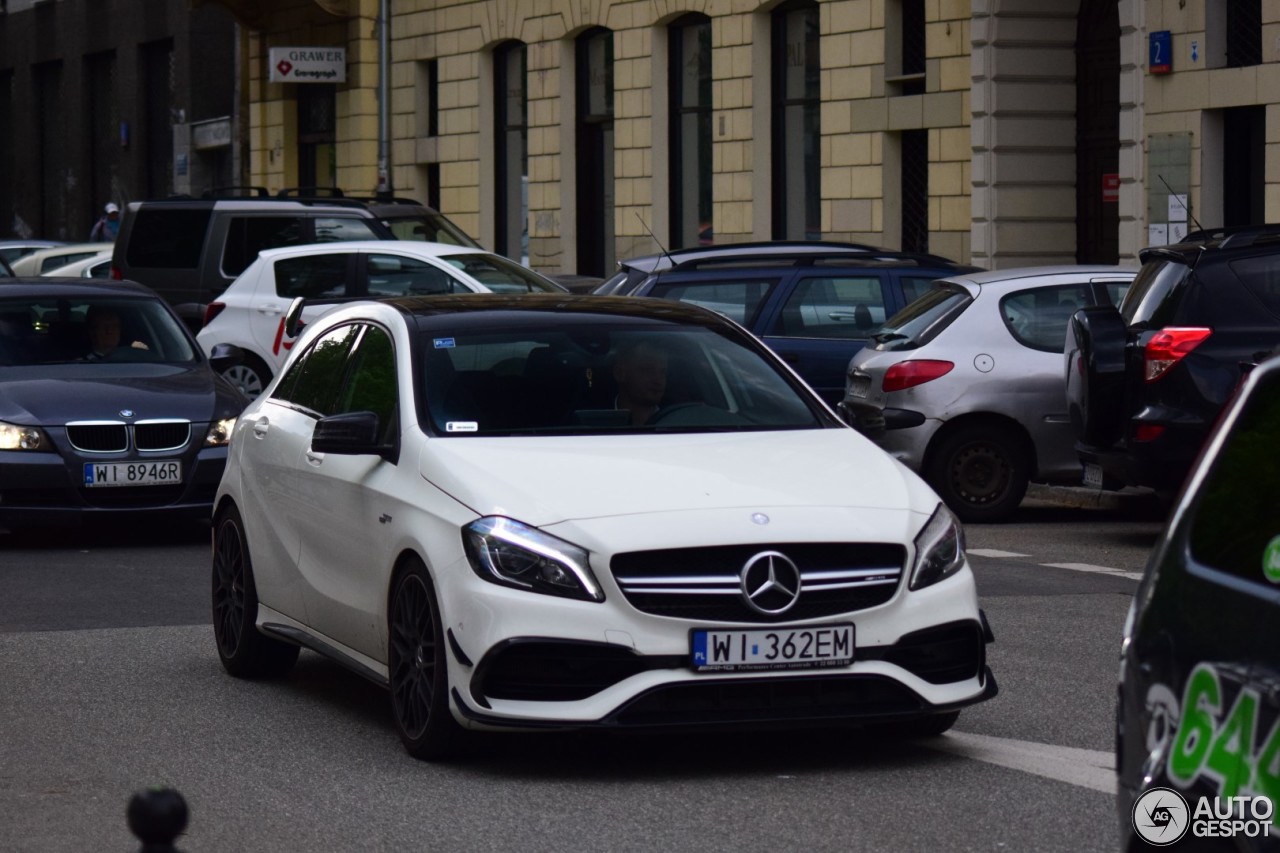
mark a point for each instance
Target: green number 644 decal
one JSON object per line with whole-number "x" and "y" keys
{"x": 1224, "y": 747}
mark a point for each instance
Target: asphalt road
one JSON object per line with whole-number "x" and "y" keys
{"x": 111, "y": 683}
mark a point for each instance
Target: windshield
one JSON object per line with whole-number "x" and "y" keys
{"x": 923, "y": 319}
{"x": 607, "y": 378}
{"x": 501, "y": 275}
{"x": 47, "y": 330}
{"x": 1149, "y": 297}
{"x": 431, "y": 228}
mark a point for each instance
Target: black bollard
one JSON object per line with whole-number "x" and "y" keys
{"x": 157, "y": 816}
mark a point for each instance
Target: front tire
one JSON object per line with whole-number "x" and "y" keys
{"x": 417, "y": 668}
{"x": 980, "y": 472}
{"x": 245, "y": 652}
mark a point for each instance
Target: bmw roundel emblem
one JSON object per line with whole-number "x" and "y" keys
{"x": 760, "y": 518}
{"x": 126, "y": 413}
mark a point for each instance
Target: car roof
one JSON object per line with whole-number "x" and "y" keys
{"x": 777, "y": 250}
{"x": 70, "y": 287}
{"x": 420, "y": 248}
{"x": 1059, "y": 272}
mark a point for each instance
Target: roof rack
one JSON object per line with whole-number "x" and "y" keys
{"x": 311, "y": 192}
{"x": 236, "y": 192}
{"x": 1235, "y": 235}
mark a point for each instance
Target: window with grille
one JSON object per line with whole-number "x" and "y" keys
{"x": 511, "y": 105}
{"x": 915, "y": 191}
{"x": 690, "y": 80}
{"x": 904, "y": 58}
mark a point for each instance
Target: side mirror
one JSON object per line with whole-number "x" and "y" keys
{"x": 225, "y": 356}
{"x": 351, "y": 434}
{"x": 293, "y": 322}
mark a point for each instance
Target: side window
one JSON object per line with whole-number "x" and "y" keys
{"x": 1262, "y": 277}
{"x": 1236, "y": 520}
{"x": 249, "y": 235}
{"x": 913, "y": 287}
{"x": 1116, "y": 291}
{"x": 371, "y": 383}
{"x": 167, "y": 239}
{"x": 846, "y": 307}
{"x": 1038, "y": 318}
{"x": 312, "y": 276}
{"x": 314, "y": 380}
{"x": 393, "y": 275}
{"x": 740, "y": 301}
{"x": 334, "y": 229}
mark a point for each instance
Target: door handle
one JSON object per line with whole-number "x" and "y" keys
{"x": 269, "y": 308}
{"x": 314, "y": 458}
{"x": 260, "y": 427}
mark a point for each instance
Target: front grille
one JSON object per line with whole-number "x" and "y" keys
{"x": 772, "y": 699}
{"x": 98, "y": 437}
{"x": 161, "y": 435}
{"x": 704, "y": 584}
{"x": 103, "y": 437}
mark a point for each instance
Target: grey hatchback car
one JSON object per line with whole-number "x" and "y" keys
{"x": 965, "y": 385}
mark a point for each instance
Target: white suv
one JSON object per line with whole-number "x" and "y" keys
{"x": 250, "y": 312}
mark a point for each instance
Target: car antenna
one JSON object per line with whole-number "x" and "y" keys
{"x": 1181, "y": 202}
{"x": 665, "y": 253}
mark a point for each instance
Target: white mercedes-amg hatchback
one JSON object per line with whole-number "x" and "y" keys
{"x": 579, "y": 511}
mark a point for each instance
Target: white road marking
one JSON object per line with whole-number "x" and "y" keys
{"x": 993, "y": 552}
{"x": 1086, "y": 768}
{"x": 1102, "y": 570}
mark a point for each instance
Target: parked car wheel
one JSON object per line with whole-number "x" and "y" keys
{"x": 417, "y": 670}
{"x": 980, "y": 471}
{"x": 244, "y": 651}
{"x": 250, "y": 375}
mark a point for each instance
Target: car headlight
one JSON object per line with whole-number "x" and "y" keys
{"x": 219, "y": 434}
{"x": 509, "y": 553}
{"x": 13, "y": 437}
{"x": 939, "y": 549}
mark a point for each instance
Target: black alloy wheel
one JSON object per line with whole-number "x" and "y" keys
{"x": 244, "y": 651}
{"x": 980, "y": 471}
{"x": 416, "y": 666}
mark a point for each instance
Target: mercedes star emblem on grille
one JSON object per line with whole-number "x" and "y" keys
{"x": 770, "y": 583}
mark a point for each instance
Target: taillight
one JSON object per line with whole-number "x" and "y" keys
{"x": 908, "y": 374}
{"x": 1168, "y": 347}
{"x": 213, "y": 309}
{"x": 116, "y": 274}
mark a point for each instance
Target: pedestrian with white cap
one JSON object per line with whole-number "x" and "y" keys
{"x": 107, "y": 226}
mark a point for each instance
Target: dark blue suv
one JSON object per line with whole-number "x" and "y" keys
{"x": 813, "y": 303}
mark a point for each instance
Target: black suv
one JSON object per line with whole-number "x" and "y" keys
{"x": 1198, "y": 712}
{"x": 1147, "y": 381}
{"x": 813, "y": 303}
{"x": 188, "y": 250}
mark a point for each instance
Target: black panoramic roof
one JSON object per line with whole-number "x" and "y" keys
{"x": 453, "y": 311}
{"x": 25, "y": 287}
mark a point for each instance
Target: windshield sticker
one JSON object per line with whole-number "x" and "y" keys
{"x": 443, "y": 343}
{"x": 1271, "y": 560}
{"x": 461, "y": 426}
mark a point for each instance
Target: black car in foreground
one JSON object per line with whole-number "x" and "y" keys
{"x": 107, "y": 405}
{"x": 1147, "y": 381}
{"x": 1198, "y": 714}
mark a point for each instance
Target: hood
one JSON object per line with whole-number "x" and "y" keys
{"x": 49, "y": 395}
{"x": 547, "y": 480}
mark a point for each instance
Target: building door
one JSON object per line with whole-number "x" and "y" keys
{"x": 1097, "y": 131}
{"x": 317, "y": 161}
{"x": 1244, "y": 139}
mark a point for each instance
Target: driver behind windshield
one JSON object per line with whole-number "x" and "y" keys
{"x": 640, "y": 370}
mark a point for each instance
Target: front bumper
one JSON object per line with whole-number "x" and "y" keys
{"x": 45, "y": 489}
{"x": 520, "y": 660}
